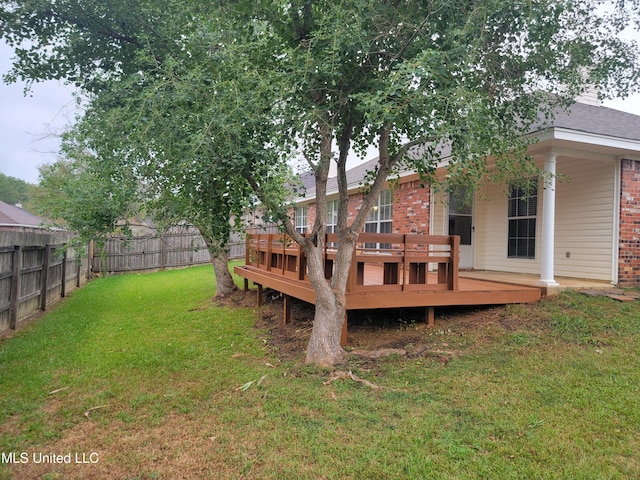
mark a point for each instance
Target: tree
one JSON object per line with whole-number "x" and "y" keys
{"x": 115, "y": 51}
{"x": 413, "y": 76}
{"x": 85, "y": 196}
{"x": 194, "y": 137}
{"x": 184, "y": 177}
{"x": 408, "y": 77}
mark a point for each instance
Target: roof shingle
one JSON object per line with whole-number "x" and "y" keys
{"x": 11, "y": 215}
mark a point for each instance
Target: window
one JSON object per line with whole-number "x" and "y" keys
{"x": 522, "y": 214}
{"x": 332, "y": 216}
{"x": 301, "y": 219}
{"x": 460, "y": 217}
{"x": 380, "y": 218}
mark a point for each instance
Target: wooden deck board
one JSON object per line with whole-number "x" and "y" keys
{"x": 470, "y": 292}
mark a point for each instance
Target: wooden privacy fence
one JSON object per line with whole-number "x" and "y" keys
{"x": 33, "y": 277}
{"x": 151, "y": 252}
{"x": 171, "y": 249}
{"x": 36, "y": 269}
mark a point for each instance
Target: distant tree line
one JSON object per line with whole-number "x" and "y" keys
{"x": 15, "y": 191}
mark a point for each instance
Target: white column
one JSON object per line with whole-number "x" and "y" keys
{"x": 548, "y": 222}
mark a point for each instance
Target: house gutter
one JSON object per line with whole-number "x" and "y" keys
{"x": 37, "y": 227}
{"x": 629, "y": 146}
{"x": 20, "y": 225}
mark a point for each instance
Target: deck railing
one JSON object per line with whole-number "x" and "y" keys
{"x": 381, "y": 262}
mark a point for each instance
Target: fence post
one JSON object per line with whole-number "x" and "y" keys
{"x": 15, "y": 287}
{"x": 45, "y": 277}
{"x": 63, "y": 286}
{"x": 163, "y": 252}
{"x": 90, "y": 253}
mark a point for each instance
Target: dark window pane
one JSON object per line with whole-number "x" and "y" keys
{"x": 461, "y": 225}
{"x": 522, "y": 209}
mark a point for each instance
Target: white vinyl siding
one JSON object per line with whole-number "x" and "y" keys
{"x": 585, "y": 220}
{"x": 584, "y": 223}
{"x": 440, "y": 213}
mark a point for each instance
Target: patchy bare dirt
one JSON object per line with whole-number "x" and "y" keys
{"x": 390, "y": 331}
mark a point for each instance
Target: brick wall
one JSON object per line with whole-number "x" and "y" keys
{"x": 355, "y": 202}
{"x": 311, "y": 216}
{"x": 411, "y": 208}
{"x": 629, "y": 253}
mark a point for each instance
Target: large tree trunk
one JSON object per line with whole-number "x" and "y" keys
{"x": 224, "y": 280}
{"x": 330, "y": 314}
{"x": 220, "y": 261}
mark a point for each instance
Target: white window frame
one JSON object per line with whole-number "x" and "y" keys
{"x": 380, "y": 219}
{"x": 332, "y": 216}
{"x": 300, "y": 219}
{"x": 522, "y": 220}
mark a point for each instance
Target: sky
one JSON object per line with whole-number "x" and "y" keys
{"x": 29, "y": 125}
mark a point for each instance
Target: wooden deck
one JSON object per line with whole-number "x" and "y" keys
{"x": 388, "y": 271}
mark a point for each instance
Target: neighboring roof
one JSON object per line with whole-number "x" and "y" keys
{"x": 16, "y": 216}
{"x": 580, "y": 117}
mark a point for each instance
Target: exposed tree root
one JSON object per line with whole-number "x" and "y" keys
{"x": 340, "y": 375}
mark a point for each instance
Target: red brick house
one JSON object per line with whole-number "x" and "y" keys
{"x": 584, "y": 223}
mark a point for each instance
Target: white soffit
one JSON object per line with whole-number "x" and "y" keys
{"x": 613, "y": 146}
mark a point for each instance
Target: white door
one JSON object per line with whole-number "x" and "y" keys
{"x": 461, "y": 223}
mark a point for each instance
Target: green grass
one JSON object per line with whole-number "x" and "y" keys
{"x": 163, "y": 383}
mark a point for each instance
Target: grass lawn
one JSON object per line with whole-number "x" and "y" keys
{"x": 144, "y": 377}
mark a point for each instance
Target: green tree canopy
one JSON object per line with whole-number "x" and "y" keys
{"x": 85, "y": 196}
{"x": 319, "y": 79}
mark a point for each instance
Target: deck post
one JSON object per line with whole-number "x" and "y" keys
{"x": 259, "y": 295}
{"x": 343, "y": 335}
{"x": 430, "y": 316}
{"x": 300, "y": 263}
{"x": 406, "y": 266}
{"x": 455, "y": 262}
{"x": 247, "y": 248}
{"x": 286, "y": 309}
{"x": 283, "y": 257}
{"x": 269, "y": 251}
{"x": 351, "y": 279}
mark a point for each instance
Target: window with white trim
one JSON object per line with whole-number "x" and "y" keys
{"x": 380, "y": 219}
{"x": 301, "y": 219}
{"x": 522, "y": 216}
{"x": 332, "y": 216}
